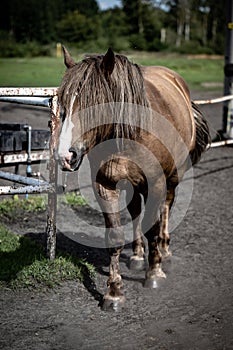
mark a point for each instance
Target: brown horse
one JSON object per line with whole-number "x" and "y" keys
{"x": 137, "y": 126}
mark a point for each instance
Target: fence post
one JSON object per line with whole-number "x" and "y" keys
{"x": 53, "y": 169}
{"x": 228, "y": 71}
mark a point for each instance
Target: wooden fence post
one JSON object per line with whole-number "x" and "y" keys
{"x": 53, "y": 169}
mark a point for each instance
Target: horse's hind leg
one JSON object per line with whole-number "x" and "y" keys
{"x": 137, "y": 260}
{"x": 164, "y": 234}
{"x": 154, "y": 271}
{"x": 151, "y": 225}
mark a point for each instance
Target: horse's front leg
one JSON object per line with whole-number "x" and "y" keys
{"x": 109, "y": 202}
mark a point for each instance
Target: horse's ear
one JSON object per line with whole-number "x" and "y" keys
{"x": 108, "y": 63}
{"x": 68, "y": 60}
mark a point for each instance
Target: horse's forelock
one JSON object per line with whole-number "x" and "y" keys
{"x": 87, "y": 83}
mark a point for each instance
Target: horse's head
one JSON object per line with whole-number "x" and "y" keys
{"x": 76, "y": 101}
{"x": 71, "y": 149}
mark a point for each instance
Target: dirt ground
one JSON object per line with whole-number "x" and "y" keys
{"x": 191, "y": 310}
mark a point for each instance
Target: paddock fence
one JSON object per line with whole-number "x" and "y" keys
{"x": 48, "y": 97}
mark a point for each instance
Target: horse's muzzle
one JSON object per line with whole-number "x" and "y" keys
{"x": 72, "y": 160}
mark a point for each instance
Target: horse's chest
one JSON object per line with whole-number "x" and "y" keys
{"x": 119, "y": 170}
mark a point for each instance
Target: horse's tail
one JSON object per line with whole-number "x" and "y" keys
{"x": 203, "y": 139}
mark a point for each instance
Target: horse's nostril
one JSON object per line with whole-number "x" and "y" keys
{"x": 74, "y": 156}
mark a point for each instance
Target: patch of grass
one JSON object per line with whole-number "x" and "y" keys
{"x": 74, "y": 199}
{"x": 9, "y": 207}
{"x": 8, "y": 241}
{"x": 195, "y": 71}
{"x": 36, "y": 71}
{"x": 48, "y": 71}
{"x": 24, "y": 264}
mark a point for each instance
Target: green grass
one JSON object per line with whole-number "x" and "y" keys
{"x": 48, "y": 71}
{"x": 33, "y": 72}
{"x": 74, "y": 199}
{"x": 195, "y": 71}
{"x": 24, "y": 264}
{"x": 10, "y": 207}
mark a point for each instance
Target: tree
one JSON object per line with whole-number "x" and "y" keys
{"x": 190, "y": 24}
{"x": 88, "y": 8}
{"x": 199, "y": 19}
{"x": 29, "y": 20}
{"x": 76, "y": 27}
{"x": 114, "y": 29}
{"x": 144, "y": 22}
{"x": 134, "y": 11}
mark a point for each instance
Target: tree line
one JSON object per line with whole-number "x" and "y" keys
{"x": 194, "y": 26}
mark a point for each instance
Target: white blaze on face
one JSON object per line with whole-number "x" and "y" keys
{"x": 65, "y": 139}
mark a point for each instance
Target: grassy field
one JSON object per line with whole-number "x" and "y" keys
{"x": 48, "y": 71}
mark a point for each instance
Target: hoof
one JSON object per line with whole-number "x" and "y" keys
{"x": 137, "y": 264}
{"x": 166, "y": 253}
{"x": 113, "y": 304}
{"x": 153, "y": 280}
{"x": 150, "y": 283}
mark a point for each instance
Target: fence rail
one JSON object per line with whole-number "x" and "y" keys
{"x": 214, "y": 100}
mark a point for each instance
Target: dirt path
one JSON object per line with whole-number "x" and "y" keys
{"x": 191, "y": 310}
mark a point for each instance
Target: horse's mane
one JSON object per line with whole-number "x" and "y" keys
{"x": 121, "y": 93}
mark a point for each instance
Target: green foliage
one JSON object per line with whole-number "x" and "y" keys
{"x": 89, "y": 8}
{"x": 32, "y": 20}
{"x": 8, "y": 241}
{"x": 9, "y": 207}
{"x": 23, "y": 264}
{"x": 137, "y": 42}
{"x": 144, "y": 22}
{"x": 194, "y": 48}
{"x": 10, "y": 48}
{"x": 113, "y": 29}
{"x": 23, "y": 261}
{"x": 74, "y": 199}
{"x": 76, "y": 27}
{"x": 135, "y": 25}
{"x": 14, "y": 207}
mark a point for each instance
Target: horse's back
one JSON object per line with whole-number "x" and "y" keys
{"x": 169, "y": 97}
{"x": 166, "y": 80}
